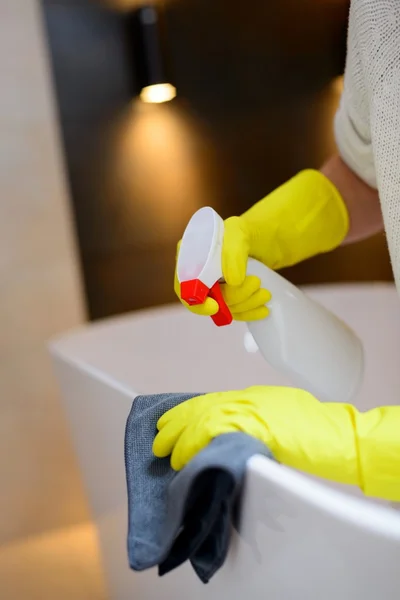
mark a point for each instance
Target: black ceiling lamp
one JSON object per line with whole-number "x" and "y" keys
{"x": 149, "y": 54}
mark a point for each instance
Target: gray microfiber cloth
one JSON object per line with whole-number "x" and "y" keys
{"x": 173, "y": 516}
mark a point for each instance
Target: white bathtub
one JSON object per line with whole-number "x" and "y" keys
{"x": 300, "y": 539}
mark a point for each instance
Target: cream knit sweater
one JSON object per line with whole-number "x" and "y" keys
{"x": 367, "y": 124}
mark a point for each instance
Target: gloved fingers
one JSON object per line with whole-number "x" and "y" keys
{"x": 209, "y": 308}
{"x": 195, "y": 438}
{"x": 170, "y": 426}
{"x": 247, "y": 301}
{"x": 190, "y": 442}
{"x": 195, "y": 407}
{"x": 187, "y": 410}
{"x": 200, "y": 405}
{"x": 184, "y": 441}
{"x": 206, "y": 412}
{"x": 235, "y": 252}
{"x": 257, "y": 300}
{"x": 177, "y": 286}
{"x": 257, "y": 314}
{"x": 181, "y": 413}
{"x": 248, "y": 419}
{"x": 167, "y": 437}
{"x": 237, "y": 294}
{"x": 239, "y": 415}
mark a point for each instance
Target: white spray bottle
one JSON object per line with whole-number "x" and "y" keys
{"x": 300, "y": 338}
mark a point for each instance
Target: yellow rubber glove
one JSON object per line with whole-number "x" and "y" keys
{"x": 330, "y": 440}
{"x": 303, "y": 217}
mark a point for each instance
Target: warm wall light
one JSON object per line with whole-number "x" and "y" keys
{"x": 149, "y": 53}
{"x": 160, "y": 92}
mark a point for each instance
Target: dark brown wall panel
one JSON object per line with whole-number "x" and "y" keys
{"x": 255, "y": 104}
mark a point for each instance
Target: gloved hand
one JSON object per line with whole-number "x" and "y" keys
{"x": 303, "y": 217}
{"x": 330, "y": 440}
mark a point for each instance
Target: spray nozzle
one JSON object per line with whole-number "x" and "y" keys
{"x": 199, "y": 268}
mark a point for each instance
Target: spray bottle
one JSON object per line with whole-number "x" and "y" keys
{"x": 300, "y": 338}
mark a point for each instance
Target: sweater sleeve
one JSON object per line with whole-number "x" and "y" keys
{"x": 352, "y": 120}
{"x": 367, "y": 124}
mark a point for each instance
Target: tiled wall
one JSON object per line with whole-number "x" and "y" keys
{"x": 40, "y": 291}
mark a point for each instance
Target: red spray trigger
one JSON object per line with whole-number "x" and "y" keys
{"x": 224, "y": 315}
{"x": 195, "y": 292}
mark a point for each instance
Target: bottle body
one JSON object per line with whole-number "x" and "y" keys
{"x": 315, "y": 349}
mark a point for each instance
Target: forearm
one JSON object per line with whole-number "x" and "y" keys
{"x": 312, "y": 213}
{"x": 336, "y": 442}
{"x": 362, "y": 201}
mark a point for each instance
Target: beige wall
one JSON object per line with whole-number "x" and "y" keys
{"x": 40, "y": 292}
